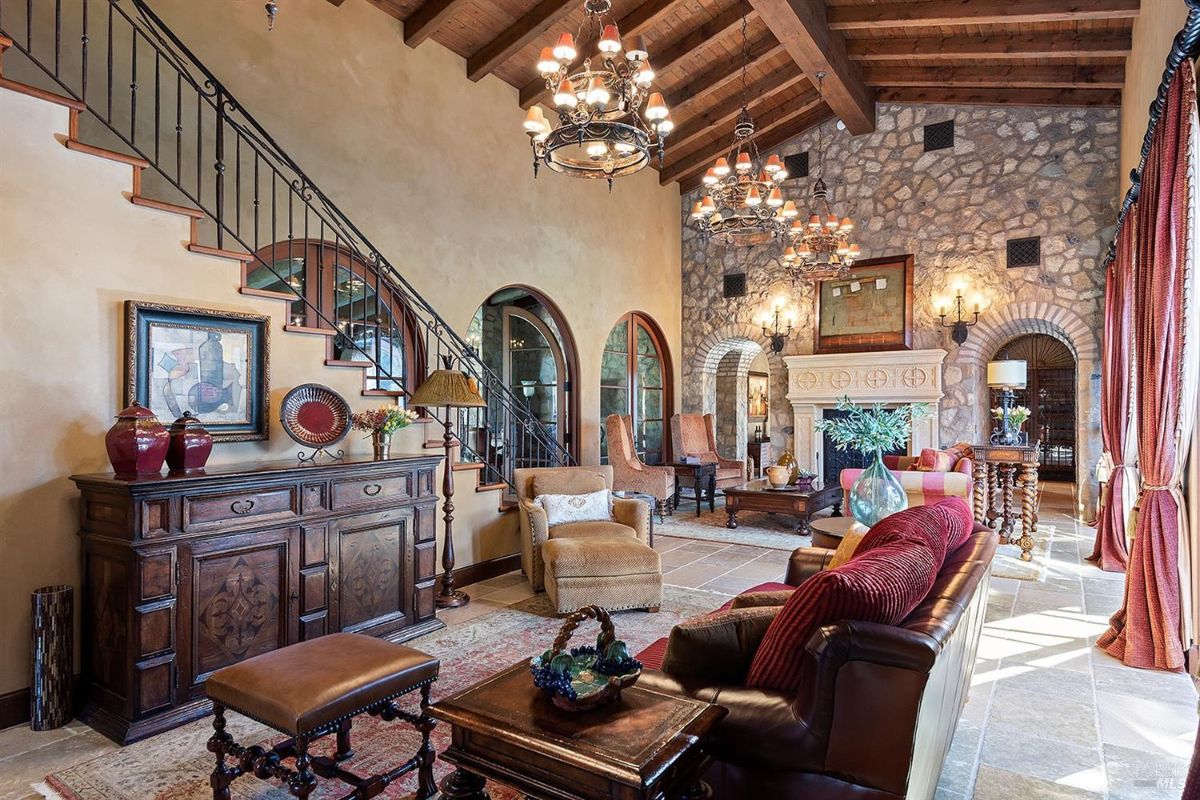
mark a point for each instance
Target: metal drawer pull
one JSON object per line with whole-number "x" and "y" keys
{"x": 241, "y": 506}
{"x": 372, "y": 489}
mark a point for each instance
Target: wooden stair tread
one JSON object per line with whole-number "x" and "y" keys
{"x": 41, "y": 94}
{"x": 382, "y": 393}
{"x": 467, "y": 466}
{"x": 488, "y": 487}
{"x": 305, "y": 329}
{"x": 268, "y": 294}
{"x": 111, "y": 155}
{"x": 233, "y": 255}
{"x": 162, "y": 205}
{"x": 341, "y": 362}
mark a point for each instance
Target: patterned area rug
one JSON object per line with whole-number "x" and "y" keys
{"x": 176, "y": 766}
{"x": 755, "y": 528}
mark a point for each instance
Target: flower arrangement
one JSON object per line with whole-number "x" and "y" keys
{"x": 384, "y": 420}
{"x": 1017, "y": 415}
{"x": 873, "y": 429}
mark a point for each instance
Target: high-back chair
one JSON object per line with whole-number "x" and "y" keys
{"x": 695, "y": 435}
{"x": 630, "y": 474}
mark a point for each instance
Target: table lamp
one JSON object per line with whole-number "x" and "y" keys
{"x": 1006, "y": 376}
{"x": 448, "y": 388}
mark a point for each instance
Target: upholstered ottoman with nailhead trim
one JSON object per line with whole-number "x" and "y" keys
{"x": 614, "y": 573}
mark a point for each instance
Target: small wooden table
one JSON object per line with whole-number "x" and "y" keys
{"x": 999, "y": 469}
{"x": 829, "y": 531}
{"x": 702, "y": 475}
{"x": 760, "y": 454}
{"x": 758, "y": 496}
{"x": 645, "y": 746}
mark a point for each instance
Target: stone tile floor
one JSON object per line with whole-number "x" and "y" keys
{"x": 1049, "y": 715}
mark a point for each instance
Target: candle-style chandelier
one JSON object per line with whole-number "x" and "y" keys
{"x": 821, "y": 248}
{"x": 743, "y": 204}
{"x": 602, "y": 129}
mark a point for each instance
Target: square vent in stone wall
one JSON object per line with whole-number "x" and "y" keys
{"x": 939, "y": 136}
{"x": 796, "y": 165}
{"x": 1024, "y": 252}
{"x": 735, "y": 284}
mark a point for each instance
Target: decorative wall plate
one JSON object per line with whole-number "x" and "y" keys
{"x": 315, "y": 415}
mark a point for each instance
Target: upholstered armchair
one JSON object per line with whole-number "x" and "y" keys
{"x": 694, "y": 435}
{"x": 922, "y": 488}
{"x": 629, "y": 473}
{"x": 631, "y": 518}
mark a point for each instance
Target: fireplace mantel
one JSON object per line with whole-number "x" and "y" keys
{"x": 895, "y": 377}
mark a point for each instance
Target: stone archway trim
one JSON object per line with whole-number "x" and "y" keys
{"x": 1018, "y": 319}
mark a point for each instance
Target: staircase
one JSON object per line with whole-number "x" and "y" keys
{"x": 195, "y": 152}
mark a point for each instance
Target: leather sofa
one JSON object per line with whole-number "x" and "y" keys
{"x": 879, "y": 707}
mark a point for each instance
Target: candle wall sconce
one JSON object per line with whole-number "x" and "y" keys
{"x": 777, "y": 329}
{"x": 963, "y": 313}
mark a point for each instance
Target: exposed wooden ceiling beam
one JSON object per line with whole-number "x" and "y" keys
{"x": 728, "y": 109}
{"x": 721, "y": 74}
{"x": 800, "y": 26}
{"x": 765, "y": 123}
{"x": 632, "y": 24}
{"x": 725, "y": 22}
{"x": 768, "y": 142}
{"x": 424, "y": 22}
{"x": 992, "y": 46}
{"x": 531, "y": 25}
{"x": 337, "y": 3}
{"x": 976, "y": 12}
{"x": 1088, "y": 77}
{"x": 996, "y": 97}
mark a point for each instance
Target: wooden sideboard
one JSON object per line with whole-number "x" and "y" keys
{"x": 184, "y": 575}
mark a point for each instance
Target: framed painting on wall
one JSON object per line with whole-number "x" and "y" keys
{"x": 869, "y": 309}
{"x": 212, "y": 363}
{"x": 756, "y": 396}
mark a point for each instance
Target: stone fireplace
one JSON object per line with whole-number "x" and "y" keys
{"x": 817, "y": 382}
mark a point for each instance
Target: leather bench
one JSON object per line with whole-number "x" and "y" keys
{"x": 313, "y": 689}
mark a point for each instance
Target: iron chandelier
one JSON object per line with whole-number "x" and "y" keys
{"x": 602, "y": 130}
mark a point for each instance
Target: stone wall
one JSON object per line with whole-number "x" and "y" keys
{"x": 1013, "y": 172}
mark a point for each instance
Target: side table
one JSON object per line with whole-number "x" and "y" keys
{"x": 760, "y": 454}
{"x": 828, "y": 532}
{"x": 703, "y": 475}
{"x": 999, "y": 471}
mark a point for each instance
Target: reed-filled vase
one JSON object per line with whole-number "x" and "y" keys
{"x": 876, "y": 493}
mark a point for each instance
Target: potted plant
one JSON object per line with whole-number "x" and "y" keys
{"x": 381, "y": 423}
{"x": 876, "y": 493}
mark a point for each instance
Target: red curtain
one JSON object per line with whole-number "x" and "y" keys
{"x": 1115, "y": 504}
{"x": 1146, "y": 631}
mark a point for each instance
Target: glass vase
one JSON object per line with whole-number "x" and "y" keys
{"x": 877, "y": 493}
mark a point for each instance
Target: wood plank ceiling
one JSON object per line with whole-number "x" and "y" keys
{"x": 1019, "y": 52}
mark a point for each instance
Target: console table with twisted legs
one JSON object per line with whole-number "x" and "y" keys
{"x": 1002, "y": 470}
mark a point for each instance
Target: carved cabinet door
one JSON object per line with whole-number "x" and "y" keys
{"x": 371, "y": 587}
{"x": 237, "y": 597}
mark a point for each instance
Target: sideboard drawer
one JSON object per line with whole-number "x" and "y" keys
{"x": 360, "y": 492}
{"x": 206, "y": 510}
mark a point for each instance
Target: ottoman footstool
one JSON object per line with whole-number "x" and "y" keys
{"x": 614, "y": 573}
{"x": 314, "y": 689}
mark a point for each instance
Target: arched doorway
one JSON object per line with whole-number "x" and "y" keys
{"x": 1049, "y": 394}
{"x": 521, "y": 335}
{"x": 635, "y": 379}
{"x": 741, "y": 400}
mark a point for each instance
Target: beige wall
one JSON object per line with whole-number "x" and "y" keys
{"x": 1153, "y": 32}
{"x": 433, "y": 168}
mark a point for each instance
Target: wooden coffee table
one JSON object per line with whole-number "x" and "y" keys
{"x": 758, "y": 496}
{"x": 703, "y": 476}
{"x": 645, "y": 746}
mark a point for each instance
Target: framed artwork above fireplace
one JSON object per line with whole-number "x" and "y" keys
{"x": 869, "y": 309}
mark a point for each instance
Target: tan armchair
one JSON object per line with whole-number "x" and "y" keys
{"x": 630, "y": 474}
{"x": 631, "y": 518}
{"x": 694, "y": 435}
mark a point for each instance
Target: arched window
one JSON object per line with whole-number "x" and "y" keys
{"x": 635, "y": 379}
{"x": 372, "y": 321}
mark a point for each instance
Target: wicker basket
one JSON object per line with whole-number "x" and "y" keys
{"x": 584, "y": 678}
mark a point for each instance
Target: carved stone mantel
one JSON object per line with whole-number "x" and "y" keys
{"x": 895, "y": 377}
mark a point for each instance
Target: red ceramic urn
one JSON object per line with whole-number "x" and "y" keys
{"x": 137, "y": 443}
{"x": 190, "y": 445}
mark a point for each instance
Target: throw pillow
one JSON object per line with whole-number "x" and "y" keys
{"x": 932, "y": 460}
{"x": 718, "y": 647}
{"x": 882, "y": 585}
{"x": 849, "y": 544}
{"x": 775, "y": 598}
{"x": 960, "y": 521}
{"x": 919, "y": 525}
{"x": 562, "y": 508}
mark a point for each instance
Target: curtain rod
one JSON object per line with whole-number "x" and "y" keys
{"x": 1185, "y": 46}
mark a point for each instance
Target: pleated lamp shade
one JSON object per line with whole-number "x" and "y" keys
{"x": 447, "y": 388}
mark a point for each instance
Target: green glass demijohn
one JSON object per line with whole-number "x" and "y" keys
{"x": 876, "y": 493}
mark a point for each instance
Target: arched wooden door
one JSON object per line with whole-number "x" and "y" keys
{"x": 1049, "y": 394}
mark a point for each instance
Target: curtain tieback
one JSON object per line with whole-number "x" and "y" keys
{"x": 1147, "y": 487}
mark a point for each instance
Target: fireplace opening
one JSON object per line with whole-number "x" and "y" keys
{"x": 833, "y": 461}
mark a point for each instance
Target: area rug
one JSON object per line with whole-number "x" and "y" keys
{"x": 176, "y": 766}
{"x": 755, "y": 528}
{"x": 1008, "y": 564}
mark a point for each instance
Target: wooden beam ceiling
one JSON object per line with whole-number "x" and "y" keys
{"x": 1001, "y": 97}
{"x": 1114, "y": 44}
{"x": 720, "y": 75}
{"x": 634, "y": 23}
{"x": 934, "y": 13}
{"x": 531, "y": 25}
{"x": 800, "y": 25}
{"x": 662, "y": 59}
{"x": 1090, "y": 77}
{"x": 425, "y": 21}
{"x": 728, "y": 109}
{"x": 337, "y": 3}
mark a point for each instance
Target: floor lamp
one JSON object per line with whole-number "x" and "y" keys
{"x": 449, "y": 389}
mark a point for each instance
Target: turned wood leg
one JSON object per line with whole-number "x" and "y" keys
{"x": 698, "y": 490}
{"x": 712, "y": 492}
{"x": 222, "y": 775}
{"x": 993, "y": 508}
{"x": 343, "y": 751}
{"x": 979, "y": 492}
{"x": 837, "y": 508}
{"x": 675, "y": 497}
{"x": 303, "y": 782}
{"x": 426, "y": 785}
{"x": 731, "y": 515}
{"x": 1029, "y": 479}
{"x": 1007, "y": 475}
{"x": 464, "y": 785}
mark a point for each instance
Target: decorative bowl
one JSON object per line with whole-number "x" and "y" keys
{"x": 584, "y": 678}
{"x": 314, "y": 415}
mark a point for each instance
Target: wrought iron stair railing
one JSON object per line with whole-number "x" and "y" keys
{"x": 144, "y": 86}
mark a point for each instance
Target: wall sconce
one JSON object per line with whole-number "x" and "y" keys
{"x": 777, "y": 334}
{"x": 957, "y": 306}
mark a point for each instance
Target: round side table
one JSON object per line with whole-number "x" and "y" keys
{"x": 828, "y": 531}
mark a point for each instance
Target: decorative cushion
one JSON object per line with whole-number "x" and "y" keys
{"x": 590, "y": 558}
{"x": 846, "y": 549}
{"x": 919, "y": 525}
{"x": 575, "y": 481}
{"x": 718, "y": 647}
{"x": 589, "y": 507}
{"x": 753, "y": 599}
{"x": 960, "y": 522}
{"x": 882, "y": 585}
{"x": 652, "y": 656}
{"x": 932, "y": 460}
{"x": 593, "y": 529}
